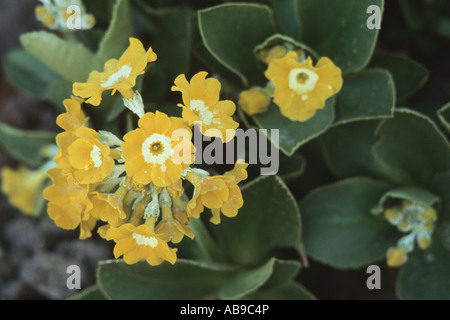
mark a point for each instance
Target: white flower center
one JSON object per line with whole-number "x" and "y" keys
{"x": 123, "y": 72}
{"x": 145, "y": 241}
{"x": 157, "y": 148}
{"x": 302, "y": 80}
{"x": 205, "y": 115}
{"x": 96, "y": 156}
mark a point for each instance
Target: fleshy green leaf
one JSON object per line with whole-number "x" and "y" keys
{"x": 70, "y": 59}
{"x": 409, "y": 75}
{"x": 293, "y": 134}
{"x": 25, "y": 145}
{"x": 338, "y": 228}
{"x": 289, "y": 291}
{"x": 231, "y": 31}
{"x": 338, "y": 30}
{"x": 444, "y": 116}
{"x": 183, "y": 280}
{"x": 412, "y": 144}
{"x": 91, "y": 293}
{"x": 339, "y": 143}
{"x": 286, "y": 18}
{"x": 268, "y": 218}
{"x": 369, "y": 94}
{"x": 27, "y": 73}
{"x": 426, "y": 276}
{"x": 115, "y": 41}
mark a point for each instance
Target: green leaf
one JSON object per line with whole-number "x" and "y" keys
{"x": 269, "y": 218}
{"x": 444, "y": 116}
{"x": 115, "y": 41}
{"x": 25, "y": 145}
{"x": 231, "y": 31}
{"x": 70, "y": 59}
{"x": 293, "y": 134}
{"x": 247, "y": 282}
{"x": 426, "y": 276}
{"x": 338, "y": 30}
{"x": 369, "y": 94}
{"x": 27, "y": 73}
{"x": 409, "y": 75}
{"x": 183, "y": 280}
{"x": 289, "y": 291}
{"x": 286, "y": 18}
{"x": 338, "y": 228}
{"x": 57, "y": 91}
{"x": 291, "y": 167}
{"x": 412, "y": 144}
{"x": 355, "y": 138}
{"x": 91, "y": 293}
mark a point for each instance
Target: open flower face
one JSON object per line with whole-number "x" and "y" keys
{"x": 300, "y": 88}
{"x": 117, "y": 75}
{"x": 159, "y": 150}
{"x": 202, "y": 105}
{"x": 137, "y": 243}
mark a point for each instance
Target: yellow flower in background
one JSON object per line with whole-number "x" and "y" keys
{"x": 90, "y": 158}
{"x": 395, "y": 257}
{"x": 254, "y": 100}
{"x": 22, "y": 187}
{"x": 201, "y": 104}
{"x": 118, "y": 75}
{"x": 219, "y": 193}
{"x": 69, "y": 203}
{"x": 301, "y": 88}
{"x": 137, "y": 243}
{"x": 159, "y": 150}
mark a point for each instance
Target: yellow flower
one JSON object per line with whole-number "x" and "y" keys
{"x": 69, "y": 204}
{"x": 159, "y": 150}
{"x": 90, "y": 158}
{"x": 170, "y": 229}
{"x": 137, "y": 243}
{"x": 219, "y": 193}
{"x": 117, "y": 75}
{"x": 301, "y": 88}
{"x": 254, "y": 101}
{"x": 22, "y": 187}
{"x": 395, "y": 257}
{"x": 201, "y": 104}
{"x": 45, "y": 16}
{"x": 108, "y": 207}
{"x": 74, "y": 117}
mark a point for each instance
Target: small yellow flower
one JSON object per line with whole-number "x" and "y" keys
{"x": 301, "y": 88}
{"x": 219, "y": 193}
{"x": 172, "y": 230}
{"x": 45, "y": 16}
{"x": 74, "y": 117}
{"x": 395, "y": 257}
{"x": 137, "y": 243}
{"x": 159, "y": 150}
{"x": 117, "y": 75}
{"x": 254, "y": 100}
{"x": 22, "y": 187}
{"x": 69, "y": 204}
{"x": 201, "y": 104}
{"x": 90, "y": 158}
{"x": 108, "y": 207}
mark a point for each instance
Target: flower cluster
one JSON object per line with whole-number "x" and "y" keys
{"x": 135, "y": 184}
{"x": 417, "y": 220}
{"x": 54, "y": 14}
{"x": 297, "y": 86}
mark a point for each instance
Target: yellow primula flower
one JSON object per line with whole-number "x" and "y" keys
{"x": 22, "y": 187}
{"x": 201, "y": 104}
{"x": 89, "y": 158}
{"x": 137, "y": 243}
{"x": 300, "y": 88}
{"x": 68, "y": 203}
{"x": 118, "y": 75}
{"x": 395, "y": 257}
{"x": 109, "y": 207}
{"x": 159, "y": 150}
{"x": 254, "y": 100}
{"x": 74, "y": 117}
{"x": 219, "y": 193}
